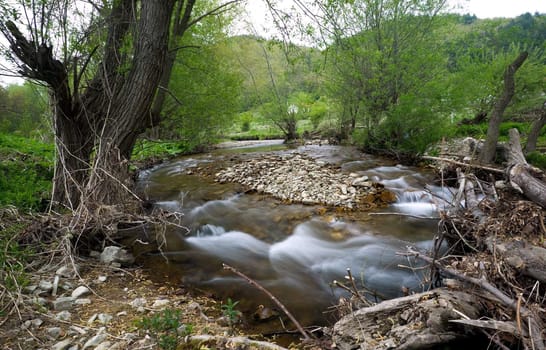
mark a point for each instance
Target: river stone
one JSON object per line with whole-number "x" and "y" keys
{"x": 63, "y": 303}
{"x": 138, "y": 302}
{"x": 112, "y": 254}
{"x": 80, "y": 292}
{"x": 82, "y": 301}
{"x": 159, "y": 303}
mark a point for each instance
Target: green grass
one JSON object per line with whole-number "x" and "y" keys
{"x": 26, "y": 172}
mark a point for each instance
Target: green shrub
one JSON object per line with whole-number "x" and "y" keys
{"x": 166, "y": 328}
{"x": 506, "y": 126}
{"x": 474, "y": 130}
{"x": 13, "y": 258}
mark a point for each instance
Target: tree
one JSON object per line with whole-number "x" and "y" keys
{"x": 103, "y": 77}
{"x": 487, "y": 154}
{"x": 377, "y": 55}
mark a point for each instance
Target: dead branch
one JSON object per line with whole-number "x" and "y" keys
{"x": 468, "y": 165}
{"x": 303, "y": 332}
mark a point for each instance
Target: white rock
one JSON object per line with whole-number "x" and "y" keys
{"x": 82, "y": 301}
{"x": 104, "y": 346}
{"x": 45, "y": 286}
{"x": 63, "y": 303}
{"x": 102, "y": 279}
{"x": 94, "y": 341}
{"x": 62, "y": 345}
{"x": 55, "y": 286}
{"x": 63, "y": 316}
{"x": 80, "y": 292}
{"x": 160, "y": 303}
{"x": 54, "y": 332}
{"x": 105, "y": 318}
{"x": 138, "y": 302}
{"x": 112, "y": 254}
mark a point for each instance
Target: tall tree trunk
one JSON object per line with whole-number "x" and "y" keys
{"x": 536, "y": 127}
{"x": 129, "y": 111}
{"x": 95, "y": 131}
{"x": 489, "y": 148}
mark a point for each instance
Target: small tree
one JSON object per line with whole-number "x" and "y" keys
{"x": 487, "y": 154}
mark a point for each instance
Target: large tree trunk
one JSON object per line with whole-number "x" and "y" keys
{"x": 95, "y": 131}
{"x": 489, "y": 148}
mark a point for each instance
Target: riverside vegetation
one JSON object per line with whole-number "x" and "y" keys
{"x": 370, "y": 88}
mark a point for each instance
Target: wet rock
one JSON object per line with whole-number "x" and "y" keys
{"x": 62, "y": 345}
{"x": 77, "y": 330}
{"x": 112, "y": 254}
{"x": 63, "y": 303}
{"x": 30, "y": 289}
{"x": 80, "y": 292}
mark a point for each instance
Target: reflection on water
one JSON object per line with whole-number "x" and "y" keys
{"x": 292, "y": 250}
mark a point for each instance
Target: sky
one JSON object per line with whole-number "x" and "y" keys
{"x": 500, "y": 8}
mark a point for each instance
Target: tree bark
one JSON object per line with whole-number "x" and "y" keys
{"x": 536, "y": 127}
{"x": 489, "y": 148}
{"x": 419, "y": 321}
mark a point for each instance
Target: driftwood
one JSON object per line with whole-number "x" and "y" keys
{"x": 199, "y": 341}
{"x": 523, "y": 176}
{"x": 527, "y": 259}
{"x": 414, "y": 322}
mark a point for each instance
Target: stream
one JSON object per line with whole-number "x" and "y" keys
{"x": 295, "y": 251}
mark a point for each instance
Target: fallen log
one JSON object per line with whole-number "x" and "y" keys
{"x": 522, "y": 176}
{"x": 414, "y": 322}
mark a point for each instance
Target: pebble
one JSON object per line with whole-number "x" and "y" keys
{"x": 46, "y": 286}
{"x": 105, "y": 318}
{"x": 116, "y": 255}
{"x": 63, "y": 303}
{"x": 82, "y": 301}
{"x": 54, "y": 332}
{"x": 102, "y": 279}
{"x": 104, "y": 346}
{"x": 298, "y": 178}
{"x": 95, "y": 341}
{"x": 138, "y": 302}
{"x": 63, "y": 316}
{"x": 159, "y": 303}
{"x": 80, "y": 292}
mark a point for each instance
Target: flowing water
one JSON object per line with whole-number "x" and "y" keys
{"x": 295, "y": 251}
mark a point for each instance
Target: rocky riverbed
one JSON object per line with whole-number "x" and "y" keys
{"x": 297, "y": 178}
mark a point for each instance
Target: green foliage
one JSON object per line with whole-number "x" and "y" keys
{"x": 166, "y": 328}
{"x": 537, "y": 159}
{"x": 229, "y": 311}
{"x": 522, "y": 128}
{"x": 146, "y": 149}
{"x": 26, "y": 172}
{"x": 472, "y": 130}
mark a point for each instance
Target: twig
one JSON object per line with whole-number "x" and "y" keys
{"x": 408, "y": 215}
{"x": 303, "y": 332}
{"x": 476, "y": 166}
